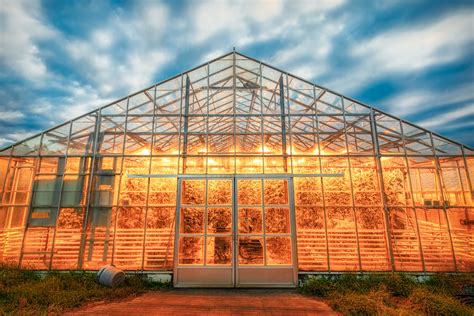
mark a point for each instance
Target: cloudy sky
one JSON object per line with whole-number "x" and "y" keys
{"x": 412, "y": 58}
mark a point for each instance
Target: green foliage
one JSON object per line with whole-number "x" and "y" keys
{"x": 375, "y": 302}
{"x": 392, "y": 294}
{"x": 25, "y": 292}
{"x": 438, "y": 304}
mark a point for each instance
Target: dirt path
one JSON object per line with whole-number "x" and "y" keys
{"x": 179, "y": 302}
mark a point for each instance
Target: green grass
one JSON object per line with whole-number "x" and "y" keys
{"x": 392, "y": 294}
{"x": 25, "y": 292}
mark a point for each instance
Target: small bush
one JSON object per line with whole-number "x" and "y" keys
{"x": 438, "y": 304}
{"x": 24, "y": 292}
{"x": 376, "y": 302}
{"x": 391, "y": 294}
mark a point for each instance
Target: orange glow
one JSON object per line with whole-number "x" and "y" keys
{"x": 144, "y": 151}
{"x": 264, "y": 149}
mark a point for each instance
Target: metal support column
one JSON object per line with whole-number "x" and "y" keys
{"x": 375, "y": 141}
{"x": 185, "y": 127}
{"x": 283, "y": 124}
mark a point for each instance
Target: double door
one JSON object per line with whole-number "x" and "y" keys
{"x": 235, "y": 232}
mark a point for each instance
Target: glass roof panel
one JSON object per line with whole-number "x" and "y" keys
{"x": 445, "y": 147}
{"x": 417, "y": 141}
{"x": 29, "y": 147}
{"x": 55, "y": 141}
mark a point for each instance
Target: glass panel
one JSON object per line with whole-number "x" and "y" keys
{"x": 249, "y": 164}
{"x": 12, "y": 223}
{"x": 405, "y": 243}
{"x": 221, "y": 165}
{"x": 305, "y": 165}
{"x": 250, "y": 220}
{"x": 308, "y": 191}
{"x": 220, "y": 144}
{"x": 395, "y": 178}
{"x": 141, "y": 103}
{"x": 55, "y": 141}
{"x": 138, "y": 136}
{"x": 276, "y": 192}
{"x": 455, "y": 182}
{"x": 28, "y": 147}
{"x": 278, "y": 250}
{"x": 99, "y": 238}
{"x": 312, "y": 249}
{"x": 162, "y": 191}
{"x": 191, "y": 250}
{"x": 249, "y": 144}
{"x": 277, "y": 164}
{"x": 424, "y": 181}
{"x": 301, "y": 96}
{"x": 193, "y": 165}
{"x": 304, "y": 144}
{"x": 37, "y": 248}
{"x": 165, "y": 144}
{"x": 389, "y": 133}
{"x": 83, "y": 135}
{"x": 192, "y": 221}
{"x": 332, "y": 140}
{"x": 353, "y": 107}
{"x": 417, "y": 141}
{"x": 251, "y": 250}
{"x": 219, "y": 192}
{"x": 164, "y": 165}
{"x": 329, "y": 103}
{"x": 6, "y": 151}
{"x": 342, "y": 239}
{"x": 434, "y": 234}
{"x": 193, "y": 192}
{"x": 248, "y": 125}
{"x": 359, "y": 134}
{"x": 219, "y": 220}
{"x": 111, "y": 137}
{"x": 129, "y": 237}
{"x": 250, "y": 192}
{"x": 133, "y": 191}
{"x": 336, "y": 187}
{"x": 218, "y": 250}
{"x": 168, "y": 97}
{"x": 372, "y": 239}
{"x": 365, "y": 182}
{"x": 462, "y": 227}
{"x": 277, "y": 220}
{"x": 445, "y": 147}
{"x": 160, "y": 218}
{"x": 159, "y": 238}
{"x": 117, "y": 108}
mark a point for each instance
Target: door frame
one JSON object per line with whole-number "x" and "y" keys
{"x": 234, "y": 265}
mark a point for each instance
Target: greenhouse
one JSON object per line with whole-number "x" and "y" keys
{"x": 238, "y": 174}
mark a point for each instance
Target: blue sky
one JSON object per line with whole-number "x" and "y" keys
{"x": 414, "y": 59}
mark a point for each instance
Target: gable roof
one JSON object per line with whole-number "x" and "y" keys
{"x": 222, "y": 79}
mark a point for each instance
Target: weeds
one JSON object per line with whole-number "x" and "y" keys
{"x": 392, "y": 294}
{"x": 25, "y": 292}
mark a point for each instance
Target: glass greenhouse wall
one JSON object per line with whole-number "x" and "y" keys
{"x": 238, "y": 164}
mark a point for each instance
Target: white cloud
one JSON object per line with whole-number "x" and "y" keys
{"x": 408, "y": 50}
{"x": 97, "y": 54}
{"x": 10, "y": 116}
{"x": 416, "y": 101}
{"x": 450, "y": 117}
{"x": 241, "y": 23}
{"x": 215, "y": 16}
{"x": 416, "y": 48}
{"x": 22, "y": 29}
{"x": 308, "y": 58}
